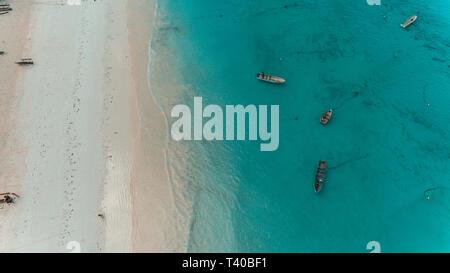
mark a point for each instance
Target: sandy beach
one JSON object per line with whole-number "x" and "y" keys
{"x": 81, "y": 135}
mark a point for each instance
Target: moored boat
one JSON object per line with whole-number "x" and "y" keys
{"x": 269, "y": 78}
{"x": 326, "y": 117}
{"x": 320, "y": 176}
{"x": 409, "y": 21}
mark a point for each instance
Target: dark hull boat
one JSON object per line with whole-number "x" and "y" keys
{"x": 320, "y": 176}
{"x": 4, "y": 9}
{"x": 8, "y": 197}
{"x": 326, "y": 117}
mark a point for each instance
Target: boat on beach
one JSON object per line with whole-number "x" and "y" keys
{"x": 5, "y": 9}
{"x": 270, "y": 78}
{"x": 25, "y": 61}
{"x": 409, "y": 21}
{"x": 320, "y": 176}
{"x": 326, "y": 117}
{"x": 8, "y": 197}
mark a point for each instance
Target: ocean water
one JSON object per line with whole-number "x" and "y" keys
{"x": 387, "y": 143}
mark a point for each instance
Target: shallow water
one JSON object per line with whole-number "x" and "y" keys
{"x": 386, "y": 144}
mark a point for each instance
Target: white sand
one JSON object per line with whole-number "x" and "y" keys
{"x": 83, "y": 135}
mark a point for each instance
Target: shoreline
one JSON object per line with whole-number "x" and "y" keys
{"x": 154, "y": 212}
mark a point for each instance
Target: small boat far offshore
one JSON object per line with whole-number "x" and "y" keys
{"x": 409, "y": 21}
{"x": 326, "y": 117}
{"x": 320, "y": 176}
{"x": 270, "y": 78}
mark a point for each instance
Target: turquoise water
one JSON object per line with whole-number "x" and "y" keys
{"x": 387, "y": 143}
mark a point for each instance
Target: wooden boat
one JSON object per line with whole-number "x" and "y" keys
{"x": 270, "y": 78}
{"x": 8, "y": 197}
{"x": 320, "y": 176}
{"x": 326, "y": 117}
{"x": 25, "y": 61}
{"x": 409, "y": 21}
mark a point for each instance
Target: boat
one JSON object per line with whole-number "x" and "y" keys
{"x": 270, "y": 78}
{"x": 409, "y": 21}
{"x": 25, "y": 61}
{"x": 320, "y": 176}
{"x": 8, "y": 197}
{"x": 326, "y": 117}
